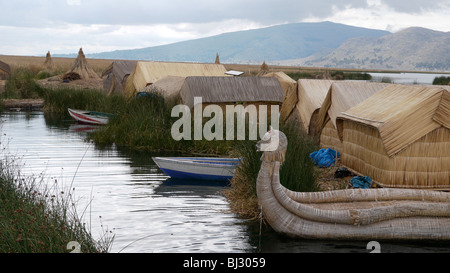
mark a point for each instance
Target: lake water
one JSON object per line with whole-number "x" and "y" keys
{"x": 126, "y": 193}
{"x": 407, "y": 78}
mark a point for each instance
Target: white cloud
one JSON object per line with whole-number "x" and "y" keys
{"x": 73, "y": 2}
{"x": 379, "y": 15}
{"x": 99, "y": 25}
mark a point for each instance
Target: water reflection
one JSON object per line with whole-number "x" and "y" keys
{"x": 124, "y": 191}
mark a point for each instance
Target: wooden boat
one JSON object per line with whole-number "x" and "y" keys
{"x": 198, "y": 168}
{"x": 90, "y": 117}
{"x": 352, "y": 214}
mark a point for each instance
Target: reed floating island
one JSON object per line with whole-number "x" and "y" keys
{"x": 356, "y": 214}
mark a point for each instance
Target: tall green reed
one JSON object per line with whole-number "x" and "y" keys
{"x": 39, "y": 216}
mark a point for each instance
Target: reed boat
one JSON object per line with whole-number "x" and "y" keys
{"x": 90, "y": 117}
{"x": 198, "y": 168}
{"x": 351, "y": 214}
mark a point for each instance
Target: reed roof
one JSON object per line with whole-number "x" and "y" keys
{"x": 147, "y": 73}
{"x": 168, "y": 87}
{"x": 290, "y": 98}
{"x": 343, "y": 95}
{"x": 311, "y": 95}
{"x": 402, "y": 114}
{"x": 120, "y": 69}
{"x": 231, "y": 89}
{"x": 5, "y": 67}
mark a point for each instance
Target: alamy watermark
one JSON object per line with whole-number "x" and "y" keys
{"x": 235, "y": 120}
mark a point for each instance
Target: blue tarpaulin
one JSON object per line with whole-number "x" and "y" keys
{"x": 361, "y": 182}
{"x": 324, "y": 157}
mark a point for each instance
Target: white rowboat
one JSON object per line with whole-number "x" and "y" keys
{"x": 198, "y": 168}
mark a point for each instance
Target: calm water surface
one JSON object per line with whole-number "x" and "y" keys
{"x": 125, "y": 192}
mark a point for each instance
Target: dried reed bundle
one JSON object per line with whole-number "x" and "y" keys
{"x": 81, "y": 67}
{"x": 48, "y": 64}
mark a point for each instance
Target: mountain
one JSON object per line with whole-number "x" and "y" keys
{"x": 276, "y": 43}
{"x": 411, "y": 49}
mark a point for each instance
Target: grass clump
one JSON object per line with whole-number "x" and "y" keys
{"x": 297, "y": 172}
{"x": 37, "y": 218}
{"x": 21, "y": 84}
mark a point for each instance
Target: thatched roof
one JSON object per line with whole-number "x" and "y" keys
{"x": 114, "y": 76}
{"x": 343, "y": 95}
{"x": 290, "y": 98}
{"x": 311, "y": 95}
{"x": 402, "y": 114}
{"x": 231, "y": 90}
{"x": 147, "y": 73}
{"x": 168, "y": 87}
{"x": 5, "y": 67}
{"x": 81, "y": 67}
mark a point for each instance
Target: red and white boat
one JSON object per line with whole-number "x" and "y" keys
{"x": 90, "y": 117}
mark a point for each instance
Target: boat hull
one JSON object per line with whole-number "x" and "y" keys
{"x": 87, "y": 117}
{"x": 197, "y": 168}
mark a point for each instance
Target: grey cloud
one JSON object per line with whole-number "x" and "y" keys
{"x": 136, "y": 12}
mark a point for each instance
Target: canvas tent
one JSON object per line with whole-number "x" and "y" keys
{"x": 400, "y": 137}
{"x": 80, "y": 69}
{"x": 147, "y": 73}
{"x": 341, "y": 96}
{"x": 231, "y": 90}
{"x": 115, "y": 76}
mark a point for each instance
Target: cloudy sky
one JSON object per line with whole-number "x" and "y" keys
{"x": 33, "y": 27}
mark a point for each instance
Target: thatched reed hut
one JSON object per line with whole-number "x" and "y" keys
{"x": 169, "y": 87}
{"x": 80, "y": 69}
{"x": 290, "y": 92}
{"x": 147, "y": 73}
{"x": 231, "y": 90}
{"x": 400, "y": 137}
{"x": 5, "y": 70}
{"x": 304, "y": 105}
{"x": 341, "y": 96}
{"x": 115, "y": 76}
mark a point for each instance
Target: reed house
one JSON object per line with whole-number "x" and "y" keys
{"x": 232, "y": 90}
{"x": 400, "y": 137}
{"x": 5, "y": 70}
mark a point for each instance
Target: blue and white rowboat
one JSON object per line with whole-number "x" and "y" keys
{"x": 198, "y": 168}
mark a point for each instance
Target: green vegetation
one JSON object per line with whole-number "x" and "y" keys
{"x": 330, "y": 74}
{"x": 22, "y": 85}
{"x": 37, "y": 218}
{"x": 443, "y": 80}
{"x": 297, "y": 172}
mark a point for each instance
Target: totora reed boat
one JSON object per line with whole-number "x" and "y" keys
{"x": 198, "y": 168}
{"x": 355, "y": 214}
